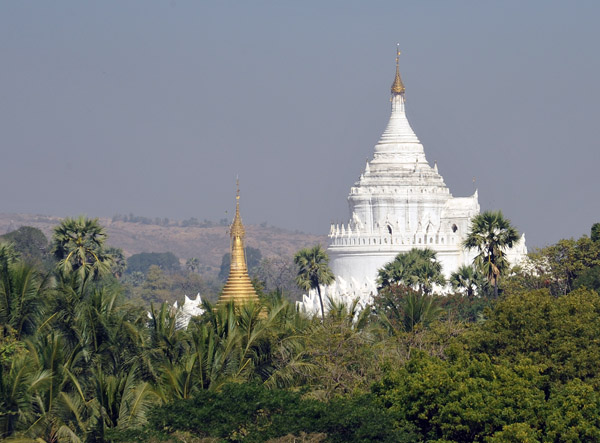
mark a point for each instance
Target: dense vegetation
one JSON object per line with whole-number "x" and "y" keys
{"x": 512, "y": 356}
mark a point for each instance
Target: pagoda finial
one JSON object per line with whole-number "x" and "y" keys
{"x": 237, "y": 228}
{"x": 398, "y": 86}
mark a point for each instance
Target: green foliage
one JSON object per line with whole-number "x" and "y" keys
{"x": 401, "y": 308}
{"x": 79, "y": 363}
{"x": 19, "y": 384}
{"x": 78, "y": 245}
{"x": 22, "y": 299}
{"x": 588, "y": 278}
{"x": 595, "y": 232}
{"x": 251, "y": 413}
{"x": 142, "y": 262}
{"x": 8, "y": 255}
{"x": 313, "y": 271}
{"x": 192, "y": 264}
{"x": 342, "y": 355}
{"x": 491, "y": 234}
{"x": 417, "y": 268}
{"x": 10, "y": 346}
{"x": 574, "y": 412}
{"x": 468, "y": 280}
{"x": 464, "y": 309}
{"x": 156, "y": 287}
{"x": 464, "y": 399}
{"x": 559, "y": 334}
{"x": 557, "y": 267}
{"x": 118, "y": 262}
{"x": 29, "y": 242}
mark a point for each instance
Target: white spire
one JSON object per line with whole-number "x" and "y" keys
{"x": 398, "y": 129}
{"x": 399, "y": 137}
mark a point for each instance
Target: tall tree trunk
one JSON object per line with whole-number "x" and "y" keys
{"x": 321, "y": 301}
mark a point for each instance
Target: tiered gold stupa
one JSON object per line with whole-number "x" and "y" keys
{"x": 238, "y": 288}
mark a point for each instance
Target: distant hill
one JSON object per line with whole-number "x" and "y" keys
{"x": 208, "y": 244}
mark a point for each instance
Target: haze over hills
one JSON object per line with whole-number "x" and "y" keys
{"x": 208, "y": 244}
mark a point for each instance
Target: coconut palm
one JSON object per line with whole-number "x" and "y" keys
{"x": 402, "y": 308}
{"x": 123, "y": 398}
{"x": 8, "y": 255}
{"x": 419, "y": 309}
{"x": 22, "y": 298}
{"x": 20, "y": 384}
{"x": 111, "y": 330}
{"x": 78, "y": 245}
{"x": 313, "y": 271}
{"x": 166, "y": 341}
{"x": 491, "y": 234}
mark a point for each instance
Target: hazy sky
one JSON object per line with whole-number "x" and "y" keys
{"x": 154, "y": 107}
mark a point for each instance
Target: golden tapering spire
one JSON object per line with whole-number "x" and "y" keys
{"x": 239, "y": 288}
{"x": 237, "y": 228}
{"x": 398, "y": 86}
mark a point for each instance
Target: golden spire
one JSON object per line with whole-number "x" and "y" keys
{"x": 237, "y": 228}
{"x": 398, "y": 86}
{"x": 238, "y": 288}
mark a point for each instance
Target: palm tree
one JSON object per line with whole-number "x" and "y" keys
{"x": 20, "y": 384}
{"x": 8, "y": 255}
{"x": 465, "y": 278}
{"x": 119, "y": 262}
{"x": 428, "y": 273}
{"x": 23, "y": 293}
{"x": 166, "y": 342}
{"x": 192, "y": 264}
{"x": 491, "y": 234}
{"x": 419, "y": 309}
{"x": 402, "y": 308}
{"x": 416, "y": 268}
{"x": 78, "y": 245}
{"x": 313, "y": 271}
{"x": 122, "y": 398}
{"x": 396, "y": 272}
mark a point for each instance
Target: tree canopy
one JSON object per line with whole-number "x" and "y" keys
{"x": 79, "y": 361}
{"x": 30, "y": 242}
{"x": 167, "y": 261}
{"x": 417, "y": 268}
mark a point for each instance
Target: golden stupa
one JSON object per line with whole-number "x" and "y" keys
{"x": 238, "y": 288}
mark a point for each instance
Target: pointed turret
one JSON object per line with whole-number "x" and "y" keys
{"x": 398, "y": 86}
{"x": 398, "y": 131}
{"x": 238, "y": 288}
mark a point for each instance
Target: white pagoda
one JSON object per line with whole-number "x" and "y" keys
{"x": 399, "y": 202}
